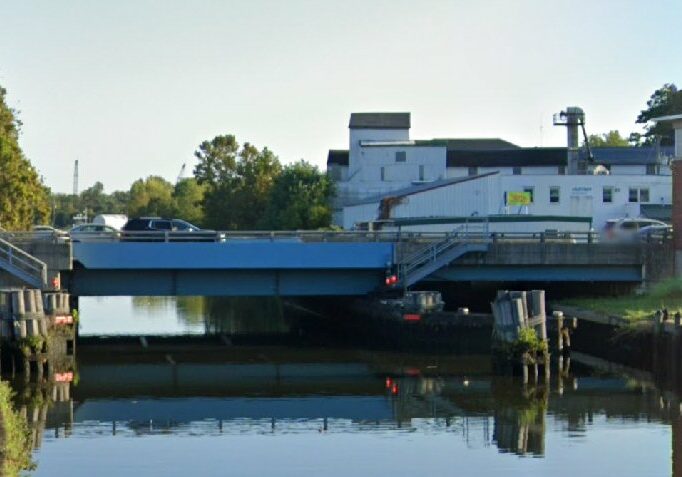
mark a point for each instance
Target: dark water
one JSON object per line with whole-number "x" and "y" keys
{"x": 319, "y": 408}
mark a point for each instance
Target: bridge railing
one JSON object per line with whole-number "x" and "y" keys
{"x": 464, "y": 235}
{"x": 22, "y": 265}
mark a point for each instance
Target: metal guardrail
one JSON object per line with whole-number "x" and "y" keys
{"x": 22, "y": 265}
{"x": 316, "y": 236}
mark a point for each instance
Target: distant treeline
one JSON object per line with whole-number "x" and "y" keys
{"x": 234, "y": 188}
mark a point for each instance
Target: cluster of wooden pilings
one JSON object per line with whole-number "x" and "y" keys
{"x": 520, "y": 332}
{"x": 37, "y": 332}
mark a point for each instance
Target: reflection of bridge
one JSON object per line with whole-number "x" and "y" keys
{"x": 343, "y": 263}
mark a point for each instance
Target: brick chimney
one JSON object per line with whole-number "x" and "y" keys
{"x": 676, "y": 166}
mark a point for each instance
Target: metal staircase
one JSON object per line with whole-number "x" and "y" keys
{"x": 22, "y": 265}
{"x": 435, "y": 256}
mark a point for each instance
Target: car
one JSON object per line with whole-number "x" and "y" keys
{"x": 655, "y": 233}
{"x": 93, "y": 233}
{"x": 627, "y": 229}
{"x": 157, "y": 229}
{"x": 47, "y": 233}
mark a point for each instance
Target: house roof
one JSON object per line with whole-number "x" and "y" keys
{"x": 379, "y": 121}
{"x": 415, "y": 189}
{"x": 538, "y": 156}
{"x": 627, "y": 156}
{"x": 337, "y": 156}
{"x": 477, "y": 143}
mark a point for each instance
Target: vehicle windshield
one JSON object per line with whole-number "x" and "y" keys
{"x": 184, "y": 226}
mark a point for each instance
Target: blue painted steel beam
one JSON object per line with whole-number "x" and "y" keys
{"x": 235, "y": 254}
{"x": 141, "y": 282}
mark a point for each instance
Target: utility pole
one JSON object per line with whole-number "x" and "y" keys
{"x": 75, "y": 178}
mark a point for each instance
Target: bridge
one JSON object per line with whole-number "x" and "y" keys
{"x": 329, "y": 263}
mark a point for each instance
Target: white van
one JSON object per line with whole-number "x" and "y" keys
{"x": 116, "y": 221}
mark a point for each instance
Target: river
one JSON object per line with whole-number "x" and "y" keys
{"x": 261, "y": 400}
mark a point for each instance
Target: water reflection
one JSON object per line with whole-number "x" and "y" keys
{"x": 434, "y": 410}
{"x": 181, "y": 315}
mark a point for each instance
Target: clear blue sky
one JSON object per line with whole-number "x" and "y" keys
{"x": 130, "y": 88}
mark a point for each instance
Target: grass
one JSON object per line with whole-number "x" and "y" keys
{"x": 667, "y": 294}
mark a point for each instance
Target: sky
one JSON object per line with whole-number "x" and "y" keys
{"x": 130, "y": 88}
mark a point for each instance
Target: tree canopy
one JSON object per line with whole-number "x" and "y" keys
{"x": 237, "y": 181}
{"x": 609, "y": 139}
{"x": 664, "y": 101}
{"x": 23, "y": 197}
{"x": 299, "y": 199}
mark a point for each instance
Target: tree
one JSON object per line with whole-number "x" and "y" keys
{"x": 188, "y": 197}
{"x": 23, "y": 197}
{"x": 663, "y": 102}
{"x": 299, "y": 199}
{"x": 609, "y": 139}
{"x": 152, "y": 196}
{"x": 237, "y": 182}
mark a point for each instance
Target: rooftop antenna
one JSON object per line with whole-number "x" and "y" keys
{"x": 75, "y": 178}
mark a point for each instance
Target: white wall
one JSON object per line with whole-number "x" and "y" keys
{"x": 578, "y": 196}
{"x": 357, "y": 135}
{"x": 359, "y": 213}
{"x": 582, "y": 195}
{"x": 528, "y": 170}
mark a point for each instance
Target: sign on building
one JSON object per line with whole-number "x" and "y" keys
{"x": 518, "y": 198}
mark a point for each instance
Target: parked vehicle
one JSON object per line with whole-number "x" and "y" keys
{"x": 48, "y": 233}
{"x": 655, "y": 232}
{"x": 93, "y": 233}
{"x": 627, "y": 229}
{"x": 116, "y": 221}
{"x": 157, "y": 229}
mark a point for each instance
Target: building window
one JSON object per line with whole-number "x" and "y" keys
{"x": 421, "y": 173}
{"x": 517, "y": 171}
{"x": 607, "y": 195}
{"x": 644, "y": 195}
{"x": 554, "y": 195}
{"x": 473, "y": 171}
{"x": 633, "y": 194}
{"x": 400, "y": 156}
{"x": 530, "y": 190}
{"x": 383, "y": 174}
{"x": 651, "y": 169}
{"x": 562, "y": 170}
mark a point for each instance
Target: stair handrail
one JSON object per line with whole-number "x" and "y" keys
{"x": 22, "y": 260}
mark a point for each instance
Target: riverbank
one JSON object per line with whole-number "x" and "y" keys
{"x": 634, "y": 308}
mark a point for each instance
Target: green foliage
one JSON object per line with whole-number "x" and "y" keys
{"x": 92, "y": 201}
{"x": 528, "y": 342}
{"x": 237, "y": 180}
{"x": 152, "y": 196}
{"x": 664, "y": 101}
{"x": 299, "y": 199}
{"x": 30, "y": 344}
{"x": 188, "y": 197}
{"x": 15, "y": 448}
{"x": 667, "y": 294}
{"x": 609, "y": 139}
{"x": 23, "y": 197}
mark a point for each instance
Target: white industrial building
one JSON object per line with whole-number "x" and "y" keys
{"x": 434, "y": 184}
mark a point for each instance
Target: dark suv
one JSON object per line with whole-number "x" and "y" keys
{"x": 157, "y": 229}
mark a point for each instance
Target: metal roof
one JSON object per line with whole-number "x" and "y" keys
{"x": 538, "y": 156}
{"x": 415, "y": 189}
{"x": 379, "y": 121}
{"x": 628, "y": 156}
{"x": 337, "y": 156}
{"x": 671, "y": 117}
